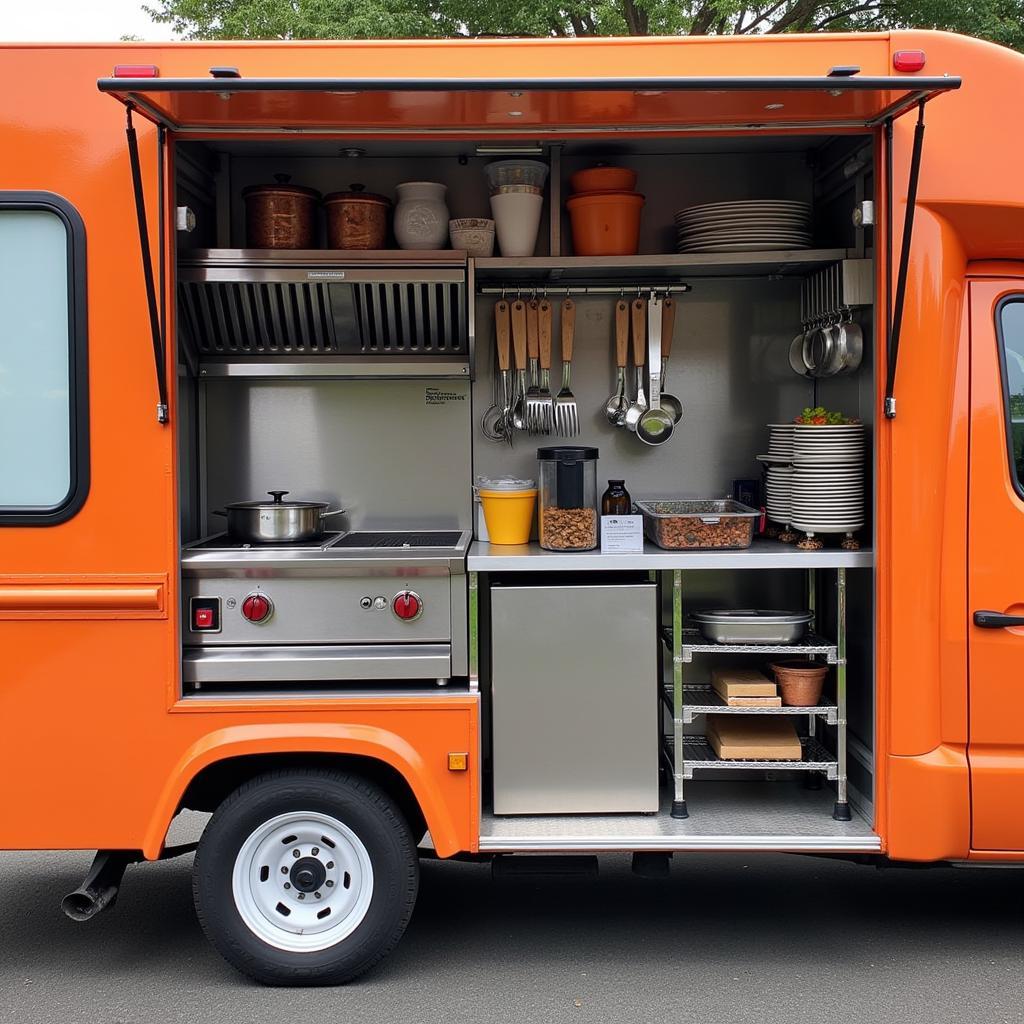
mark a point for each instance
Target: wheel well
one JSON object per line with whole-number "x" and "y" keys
{"x": 216, "y": 781}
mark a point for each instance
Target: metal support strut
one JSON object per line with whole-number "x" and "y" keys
{"x": 841, "y": 811}
{"x": 896, "y": 326}
{"x": 678, "y": 754}
{"x": 147, "y": 267}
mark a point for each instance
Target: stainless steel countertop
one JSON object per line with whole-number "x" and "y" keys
{"x": 325, "y": 561}
{"x": 762, "y": 554}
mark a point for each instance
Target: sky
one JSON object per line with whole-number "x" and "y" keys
{"x": 76, "y": 21}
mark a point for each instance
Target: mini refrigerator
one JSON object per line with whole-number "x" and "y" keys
{"x": 574, "y": 697}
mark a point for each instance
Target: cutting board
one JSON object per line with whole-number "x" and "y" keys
{"x": 754, "y": 738}
{"x": 741, "y": 682}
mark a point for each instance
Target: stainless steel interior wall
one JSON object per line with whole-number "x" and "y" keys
{"x": 395, "y": 453}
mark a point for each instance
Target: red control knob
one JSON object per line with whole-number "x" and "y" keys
{"x": 257, "y": 608}
{"x": 407, "y": 605}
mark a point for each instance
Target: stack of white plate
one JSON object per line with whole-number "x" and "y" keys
{"x": 781, "y": 441}
{"x": 778, "y": 493}
{"x": 749, "y": 225}
{"x": 827, "y": 494}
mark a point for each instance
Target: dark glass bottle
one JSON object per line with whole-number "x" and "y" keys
{"x": 616, "y": 500}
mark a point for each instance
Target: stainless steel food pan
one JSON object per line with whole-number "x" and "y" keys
{"x": 752, "y": 626}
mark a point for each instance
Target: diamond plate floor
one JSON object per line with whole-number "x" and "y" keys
{"x": 724, "y": 815}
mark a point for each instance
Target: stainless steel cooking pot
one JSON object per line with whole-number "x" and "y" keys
{"x": 277, "y": 521}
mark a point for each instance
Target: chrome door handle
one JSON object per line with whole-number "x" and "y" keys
{"x": 997, "y": 620}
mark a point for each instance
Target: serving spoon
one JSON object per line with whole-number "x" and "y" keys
{"x": 618, "y": 404}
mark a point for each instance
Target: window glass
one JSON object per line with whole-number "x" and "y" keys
{"x": 1011, "y": 334}
{"x": 36, "y": 457}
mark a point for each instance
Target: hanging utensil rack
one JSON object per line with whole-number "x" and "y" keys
{"x": 512, "y": 291}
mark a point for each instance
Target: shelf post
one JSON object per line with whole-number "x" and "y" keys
{"x": 474, "y": 633}
{"x": 842, "y": 807}
{"x": 812, "y": 607}
{"x": 678, "y": 799}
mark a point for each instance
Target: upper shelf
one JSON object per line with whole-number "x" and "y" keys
{"x": 668, "y": 267}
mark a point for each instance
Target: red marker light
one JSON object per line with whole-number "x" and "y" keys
{"x": 136, "y": 71}
{"x": 908, "y": 60}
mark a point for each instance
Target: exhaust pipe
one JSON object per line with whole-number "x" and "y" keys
{"x": 101, "y": 885}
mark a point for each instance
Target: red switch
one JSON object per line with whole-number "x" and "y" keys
{"x": 205, "y": 614}
{"x": 407, "y": 605}
{"x": 257, "y": 608}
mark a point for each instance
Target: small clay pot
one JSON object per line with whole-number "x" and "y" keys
{"x": 800, "y": 682}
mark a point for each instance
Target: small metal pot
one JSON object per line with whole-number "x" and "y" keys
{"x": 277, "y": 521}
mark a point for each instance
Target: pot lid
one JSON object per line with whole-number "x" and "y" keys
{"x": 357, "y": 195}
{"x": 282, "y": 187}
{"x": 278, "y": 502}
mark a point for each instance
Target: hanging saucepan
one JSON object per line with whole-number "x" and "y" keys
{"x": 277, "y": 521}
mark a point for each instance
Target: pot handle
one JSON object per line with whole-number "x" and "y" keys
{"x": 218, "y": 512}
{"x": 278, "y": 496}
{"x": 333, "y": 512}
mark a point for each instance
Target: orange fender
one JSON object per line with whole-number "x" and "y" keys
{"x": 320, "y": 738}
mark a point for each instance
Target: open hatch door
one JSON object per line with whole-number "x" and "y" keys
{"x": 227, "y": 103}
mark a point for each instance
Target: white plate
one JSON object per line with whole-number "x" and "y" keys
{"x": 710, "y": 250}
{"x": 826, "y": 428}
{"x": 747, "y": 205}
{"x": 797, "y": 227}
{"x": 782, "y": 460}
{"x": 769, "y": 227}
{"x": 775, "y": 231}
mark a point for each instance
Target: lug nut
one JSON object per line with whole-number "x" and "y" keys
{"x": 287, "y": 885}
{"x": 284, "y": 871}
{"x": 295, "y": 853}
{"x": 317, "y": 895}
{"x": 315, "y": 850}
{"x": 330, "y": 865}
{"x": 302, "y": 895}
{"x": 330, "y": 883}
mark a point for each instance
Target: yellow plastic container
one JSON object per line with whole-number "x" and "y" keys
{"x": 508, "y": 514}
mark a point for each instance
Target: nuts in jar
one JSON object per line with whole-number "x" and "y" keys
{"x": 567, "y": 529}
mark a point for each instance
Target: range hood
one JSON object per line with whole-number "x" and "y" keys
{"x": 383, "y": 310}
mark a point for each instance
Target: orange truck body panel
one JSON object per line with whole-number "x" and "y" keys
{"x": 97, "y": 745}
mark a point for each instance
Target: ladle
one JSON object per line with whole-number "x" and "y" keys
{"x": 672, "y": 405}
{"x": 656, "y": 425}
{"x": 639, "y": 405}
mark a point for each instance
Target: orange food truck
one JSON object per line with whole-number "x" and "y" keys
{"x": 295, "y": 528}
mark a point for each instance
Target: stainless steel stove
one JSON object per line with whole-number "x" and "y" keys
{"x": 373, "y": 606}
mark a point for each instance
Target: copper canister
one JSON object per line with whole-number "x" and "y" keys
{"x": 280, "y": 216}
{"x": 356, "y": 219}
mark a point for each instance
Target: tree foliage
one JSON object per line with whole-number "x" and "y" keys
{"x": 999, "y": 20}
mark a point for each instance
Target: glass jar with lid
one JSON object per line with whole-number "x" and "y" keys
{"x": 568, "y": 498}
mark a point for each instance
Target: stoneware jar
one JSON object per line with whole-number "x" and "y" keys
{"x": 421, "y": 216}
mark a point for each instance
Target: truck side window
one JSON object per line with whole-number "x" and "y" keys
{"x": 44, "y": 454}
{"x": 1011, "y": 352}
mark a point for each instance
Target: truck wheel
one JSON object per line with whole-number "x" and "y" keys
{"x": 305, "y": 877}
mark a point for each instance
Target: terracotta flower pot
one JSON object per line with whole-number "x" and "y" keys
{"x": 800, "y": 682}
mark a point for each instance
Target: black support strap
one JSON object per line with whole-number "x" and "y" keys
{"x": 147, "y": 270}
{"x": 901, "y": 277}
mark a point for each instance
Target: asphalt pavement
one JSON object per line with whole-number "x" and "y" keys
{"x": 725, "y": 939}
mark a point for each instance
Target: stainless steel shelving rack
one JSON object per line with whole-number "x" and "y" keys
{"x": 689, "y": 754}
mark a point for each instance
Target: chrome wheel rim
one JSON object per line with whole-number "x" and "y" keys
{"x": 302, "y": 881}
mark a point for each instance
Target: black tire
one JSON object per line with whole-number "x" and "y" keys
{"x": 362, "y": 807}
